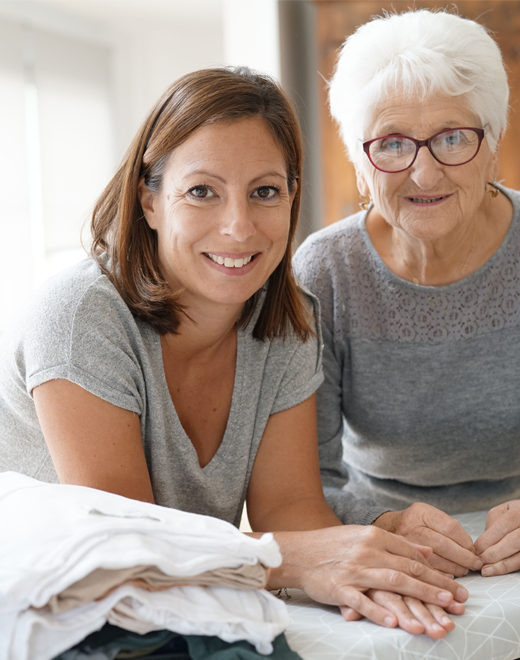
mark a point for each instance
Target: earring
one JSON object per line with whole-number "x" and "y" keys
{"x": 365, "y": 204}
{"x": 493, "y": 191}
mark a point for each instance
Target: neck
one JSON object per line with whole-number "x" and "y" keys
{"x": 446, "y": 259}
{"x": 202, "y": 331}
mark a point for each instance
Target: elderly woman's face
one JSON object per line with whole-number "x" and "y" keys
{"x": 223, "y": 214}
{"x": 429, "y": 200}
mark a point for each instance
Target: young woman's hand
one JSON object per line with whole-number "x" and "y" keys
{"x": 337, "y": 565}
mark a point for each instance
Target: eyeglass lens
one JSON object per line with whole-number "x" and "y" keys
{"x": 394, "y": 153}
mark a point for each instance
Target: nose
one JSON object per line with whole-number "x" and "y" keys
{"x": 426, "y": 172}
{"x": 237, "y": 221}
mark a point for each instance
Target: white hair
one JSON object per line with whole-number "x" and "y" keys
{"x": 418, "y": 54}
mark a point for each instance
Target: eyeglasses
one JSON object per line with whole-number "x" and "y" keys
{"x": 396, "y": 153}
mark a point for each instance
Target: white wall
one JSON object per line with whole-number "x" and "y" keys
{"x": 251, "y": 35}
{"x": 77, "y": 78}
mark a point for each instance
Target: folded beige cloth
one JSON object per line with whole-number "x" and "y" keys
{"x": 102, "y": 581}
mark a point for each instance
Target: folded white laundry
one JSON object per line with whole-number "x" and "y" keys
{"x": 230, "y": 614}
{"x": 52, "y": 535}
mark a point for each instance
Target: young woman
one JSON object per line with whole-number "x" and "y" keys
{"x": 178, "y": 364}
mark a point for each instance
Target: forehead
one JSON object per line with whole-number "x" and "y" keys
{"x": 421, "y": 118}
{"x": 242, "y": 143}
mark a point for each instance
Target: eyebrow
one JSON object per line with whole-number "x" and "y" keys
{"x": 215, "y": 176}
{"x": 394, "y": 130}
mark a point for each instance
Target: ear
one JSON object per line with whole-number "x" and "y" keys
{"x": 494, "y": 165}
{"x": 148, "y": 202}
{"x": 362, "y": 184}
{"x": 293, "y": 194}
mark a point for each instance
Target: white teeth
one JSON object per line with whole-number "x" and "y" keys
{"x": 228, "y": 262}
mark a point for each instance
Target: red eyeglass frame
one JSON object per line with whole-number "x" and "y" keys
{"x": 481, "y": 133}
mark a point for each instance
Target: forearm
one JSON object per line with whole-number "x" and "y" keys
{"x": 300, "y": 514}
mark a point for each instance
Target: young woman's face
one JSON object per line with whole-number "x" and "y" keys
{"x": 223, "y": 213}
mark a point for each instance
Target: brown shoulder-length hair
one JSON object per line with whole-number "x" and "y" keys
{"x": 120, "y": 231}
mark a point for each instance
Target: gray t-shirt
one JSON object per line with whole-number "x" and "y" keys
{"x": 77, "y": 327}
{"x": 422, "y": 383}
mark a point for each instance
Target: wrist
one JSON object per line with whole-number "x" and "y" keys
{"x": 389, "y": 521}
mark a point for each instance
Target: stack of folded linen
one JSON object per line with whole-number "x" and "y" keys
{"x": 73, "y": 558}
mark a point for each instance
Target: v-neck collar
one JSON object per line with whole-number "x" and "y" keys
{"x": 227, "y": 443}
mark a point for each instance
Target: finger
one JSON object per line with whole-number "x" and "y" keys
{"x": 361, "y": 604}
{"x": 448, "y": 567}
{"x": 495, "y": 513}
{"x": 417, "y": 581}
{"x": 396, "y": 604}
{"x": 349, "y": 614}
{"x": 508, "y": 546}
{"x": 502, "y": 567}
{"x": 425, "y": 550}
{"x": 422, "y": 613}
{"x": 447, "y": 527}
{"x": 458, "y": 558}
{"x": 441, "y": 617}
{"x": 455, "y": 608}
{"x": 406, "y": 573}
{"x": 501, "y": 526}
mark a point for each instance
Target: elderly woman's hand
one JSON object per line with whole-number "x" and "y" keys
{"x": 499, "y": 546}
{"x": 453, "y": 550}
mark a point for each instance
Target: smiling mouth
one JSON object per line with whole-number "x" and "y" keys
{"x": 427, "y": 200}
{"x": 228, "y": 262}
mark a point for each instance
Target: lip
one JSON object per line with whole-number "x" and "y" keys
{"x": 233, "y": 272}
{"x": 410, "y": 198}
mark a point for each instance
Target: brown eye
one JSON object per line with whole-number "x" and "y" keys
{"x": 200, "y": 192}
{"x": 267, "y": 192}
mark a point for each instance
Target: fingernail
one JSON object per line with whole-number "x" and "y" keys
{"x": 446, "y": 620}
{"x": 449, "y": 575}
{"x": 416, "y": 623}
{"x": 466, "y": 571}
{"x": 478, "y": 565}
{"x": 445, "y": 596}
{"x": 436, "y": 626}
{"x": 462, "y": 594}
{"x": 488, "y": 571}
{"x": 389, "y": 621}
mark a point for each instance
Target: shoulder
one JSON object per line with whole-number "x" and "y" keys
{"x": 324, "y": 255}
{"x": 68, "y": 301}
{"x": 331, "y": 240}
{"x": 76, "y": 321}
{"x": 514, "y": 197}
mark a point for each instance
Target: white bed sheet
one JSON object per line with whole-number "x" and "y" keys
{"x": 488, "y": 630}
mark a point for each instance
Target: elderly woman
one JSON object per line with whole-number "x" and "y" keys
{"x": 178, "y": 364}
{"x": 420, "y": 294}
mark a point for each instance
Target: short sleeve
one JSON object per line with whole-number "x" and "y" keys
{"x": 80, "y": 329}
{"x": 303, "y": 373}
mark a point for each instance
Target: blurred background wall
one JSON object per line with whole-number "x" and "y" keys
{"x": 78, "y": 76}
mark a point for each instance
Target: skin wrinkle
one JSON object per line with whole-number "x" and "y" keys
{"x": 435, "y": 240}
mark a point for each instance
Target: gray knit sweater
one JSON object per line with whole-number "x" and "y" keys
{"x": 421, "y": 396}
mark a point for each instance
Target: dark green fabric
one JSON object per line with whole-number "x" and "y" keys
{"x": 213, "y": 648}
{"x": 111, "y": 640}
